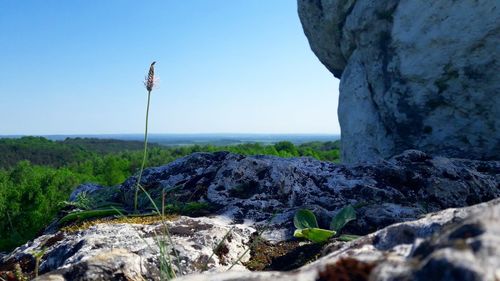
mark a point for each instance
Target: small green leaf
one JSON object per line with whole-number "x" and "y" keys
{"x": 344, "y": 216}
{"x": 305, "y": 219}
{"x": 347, "y": 237}
{"x": 316, "y": 235}
{"x": 84, "y": 215}
{"x": 298, "y": 233}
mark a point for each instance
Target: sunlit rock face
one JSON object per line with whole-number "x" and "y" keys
{"x": 239, "y": 196}
{"x": 414, "y": 74}
{"x": 454, "y": 244}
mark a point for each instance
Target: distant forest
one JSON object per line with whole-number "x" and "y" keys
{"x": 37, "y": 174}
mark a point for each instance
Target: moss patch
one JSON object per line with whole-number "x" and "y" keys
{"x": 287, "y": 255}
{"x": 196, "y": 209}
{"x": 86, "y": 215}
{"x": 143, "y": 219}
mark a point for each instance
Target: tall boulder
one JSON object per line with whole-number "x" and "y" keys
{"x": 414, "y": 74}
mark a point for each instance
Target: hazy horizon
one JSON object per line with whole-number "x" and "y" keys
{"x": 190, "y": 139}
{"x": 171, "y": 134}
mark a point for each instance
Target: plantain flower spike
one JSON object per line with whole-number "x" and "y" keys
{"x": 150, "y": 79}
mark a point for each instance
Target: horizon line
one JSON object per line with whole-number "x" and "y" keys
{"x": 173, "y": 134}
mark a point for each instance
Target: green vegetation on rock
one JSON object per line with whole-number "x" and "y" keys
{"x": 307, "y": 225}
{"x": 37, "y": 174}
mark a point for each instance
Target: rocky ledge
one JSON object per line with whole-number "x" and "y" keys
{"x": 454, "y": 244}
{"x": 248, "y": 203}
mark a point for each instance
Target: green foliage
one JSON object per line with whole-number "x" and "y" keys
{"x": 29, "y": 198}
{"x": 344, "y": 216}
{"x": 37, "y": 174}
{"x": 307, "y": 225}
{"x": 316, "y": 235}
{"x": 347, "y": 237}
{"x": 286, "y": 149}
{"x": 104, "y": 146}
{"x": 39, "y": 151}
{"x": 113, "y": 160}
{"x": 304, "y": 219}
{"x": 38, "y": 257}
{"x": 90, "y": 214}
{"x": 195, "y": 208}
{"x": 82, "y": 202}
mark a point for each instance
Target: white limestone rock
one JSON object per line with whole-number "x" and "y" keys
{"x": 250, "y": 194}
{"x": 414, "y": 74}
{"x": 132, "y": 250}
{"x": 451, "y": 245}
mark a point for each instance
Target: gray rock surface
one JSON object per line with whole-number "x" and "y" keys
{"x": 246, "y": 194}
{"x": 108, "y": 251}
{"x": 454, "y": 244}
{"x": 87, "y": 188}
{"x": 451, "y": 245}
{"x": 414, "y": 74}
{"x": 253, "y": 188}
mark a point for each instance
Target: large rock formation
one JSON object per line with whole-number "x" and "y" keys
{"x": 414, "y": 74}
{"x": 243, "y": 195}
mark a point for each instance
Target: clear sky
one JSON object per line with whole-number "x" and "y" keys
{"x": 225, "y": 66}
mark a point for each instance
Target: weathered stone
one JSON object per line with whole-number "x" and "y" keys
{"x": 244, "y": 195}
{"x": 454, "y": 244}
{"x": 254, "y": 188}
{"x": 414, "y": 75}
{"x": 109, "y": 251}
{"x": 87, "y": 189}
{"x": 115, "y": 264}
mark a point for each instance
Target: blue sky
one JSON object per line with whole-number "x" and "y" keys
{"x": 225, "y": 66}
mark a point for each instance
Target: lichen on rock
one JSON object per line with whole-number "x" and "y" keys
{"x": 252, "y": 195}
{"x": 413, "y": 74}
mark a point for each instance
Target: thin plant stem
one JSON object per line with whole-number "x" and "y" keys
{"x": 170, "y": 273}
{"x": 163, "y": 248}
{"x": 205, "y": 267}
{"x": 144, "y": 156}
{"x": 38, "y": 256}
{"x": 165, "y": 227}
{"x": 254, "y": 243}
